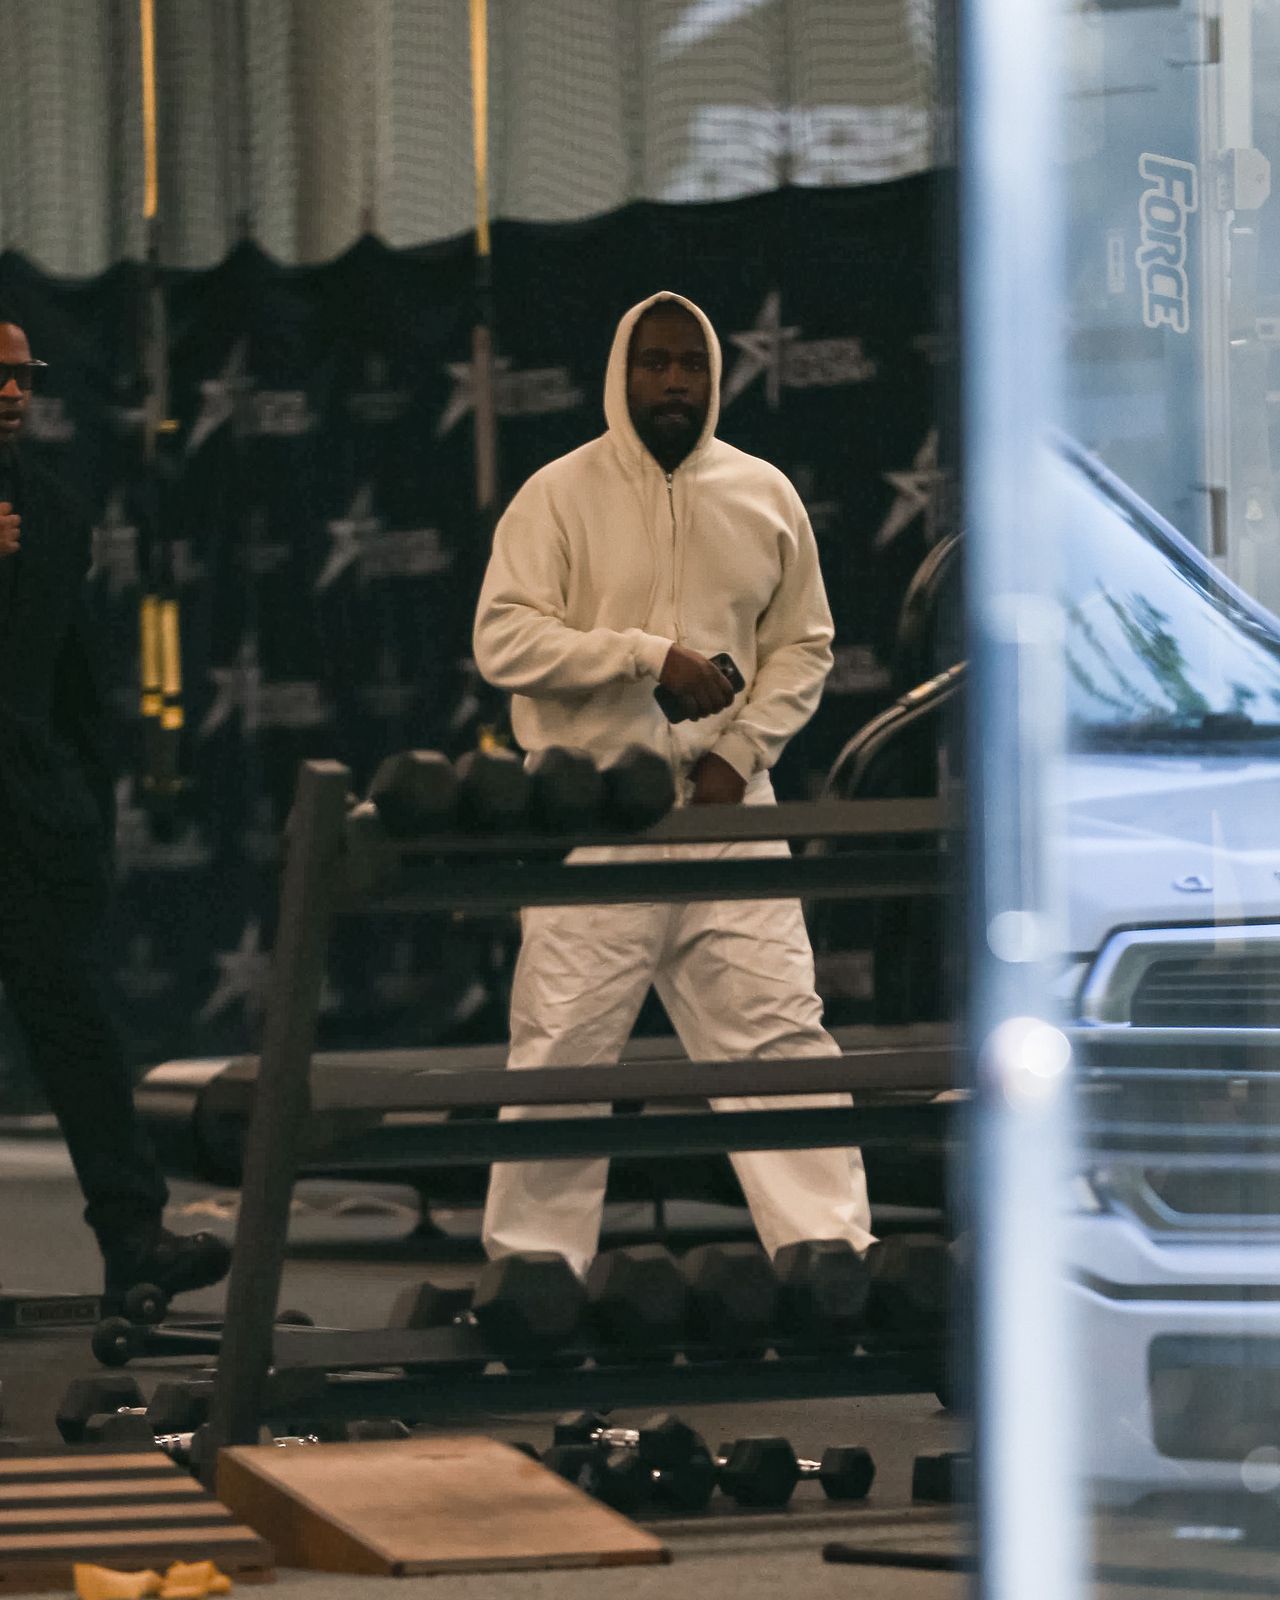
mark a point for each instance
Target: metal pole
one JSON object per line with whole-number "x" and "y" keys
{"x": 280, "y": 1105}
{"x": 1012, "y": 312}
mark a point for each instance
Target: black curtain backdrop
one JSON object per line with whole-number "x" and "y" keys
{"x": 317, "y": 491}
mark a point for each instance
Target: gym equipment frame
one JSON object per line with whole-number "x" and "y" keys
{"x": 888, "y": 848}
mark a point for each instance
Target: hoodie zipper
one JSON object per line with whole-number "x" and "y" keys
{"x": 673, "y": 743}
{"x": 671, "y": 507}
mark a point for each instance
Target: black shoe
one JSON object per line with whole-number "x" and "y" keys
{"x": 175, "y": 1263}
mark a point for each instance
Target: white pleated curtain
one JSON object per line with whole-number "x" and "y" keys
{"x": 303, "y": 123}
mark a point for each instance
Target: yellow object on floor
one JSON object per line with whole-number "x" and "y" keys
{"x": 184, "y": 1580}
{"x": 201, "y": 1576}
{"x": 105, "y": 1583}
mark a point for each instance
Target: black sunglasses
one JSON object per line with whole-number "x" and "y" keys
{"x": 23, "y": 373}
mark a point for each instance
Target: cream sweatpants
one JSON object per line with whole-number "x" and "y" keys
{"x": 736, "y": 979}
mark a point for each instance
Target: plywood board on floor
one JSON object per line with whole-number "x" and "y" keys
{"x": 413, "y": 1506}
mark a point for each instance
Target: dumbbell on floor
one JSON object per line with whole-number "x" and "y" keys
{"x": 662, "y": 1440}
{"x": 945, "y": 1479}
{"x": 764, "y": 1471}
{"x": 666, "y": 1460}
{"x": 624, "y": 1467}
{"x": 618, "y": 1477}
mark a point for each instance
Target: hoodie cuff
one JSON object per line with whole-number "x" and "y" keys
{"x": 651, "y": 654}
{"x": 735, "y": 748}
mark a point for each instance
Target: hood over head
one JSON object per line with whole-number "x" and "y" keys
{"x": 617, "y": 413}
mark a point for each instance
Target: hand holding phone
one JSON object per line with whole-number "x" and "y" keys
{"x": 693, "y": 686}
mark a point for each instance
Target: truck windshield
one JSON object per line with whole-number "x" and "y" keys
{"x": 1160, "y": 651}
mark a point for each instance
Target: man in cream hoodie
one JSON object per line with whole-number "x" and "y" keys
{"x": 623, "y": 565}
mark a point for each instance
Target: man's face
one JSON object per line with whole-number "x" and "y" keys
{"x": 668, "y": 383}
{"x": 15, "y": 356}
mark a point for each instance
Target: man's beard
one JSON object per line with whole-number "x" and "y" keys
{"x": 667, "y": 440}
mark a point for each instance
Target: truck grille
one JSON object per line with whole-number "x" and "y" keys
{"x": 1159, "y": 1041}
{"x": 1230, "y": 990}
{"x": 1187, "y": 977}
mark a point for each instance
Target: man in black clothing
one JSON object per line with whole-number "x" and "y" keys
{"x": 56, "y": 835}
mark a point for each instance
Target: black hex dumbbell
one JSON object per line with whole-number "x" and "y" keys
{"x": 528, "y": 1305}
{"x": 638, "y": 1299}
{"x": 662, "y": 1440}
{"x": 86, "y": 1398}
{"x": 617, "y": 1474}
{"x": 179, "y": 1406}
{"x": 370, "y": 860}
{"x": 945, "y": 1479}
{"x": 429, "y": 1305}
{"x": 823, "y": 1288}
{"x": 667, "y": 1462}
{"x": 566, "y": 790}
{"x": 415, "y": 792}
{"x": 764, "y": 1471}
{"x": 911, "y": 1286}
{"x": 126, "y": 1426}
{"x": 616, "y": 1477}
{"x": 663, "y": 1459}
{"x": 639, "y": 789}
{"x": 493, "y": 791}
{"x": 733, "y": 1299}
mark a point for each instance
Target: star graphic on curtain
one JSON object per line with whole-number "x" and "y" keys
{"x": 702, "y": 20}
{"x": 237, "y": 686}
{"x": 347, "y": 533}
{"x": 762, "y": 350}
{"x": 242, "y": 975}
{"x": 219, "y": 396}
{"x": 918, "y": 490}
{"x": 115, "y": 546}
{"x": 462, "y": 402}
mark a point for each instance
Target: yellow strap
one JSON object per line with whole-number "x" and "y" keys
{"x": 149, "y": 640}
{"x": 480, "y": 118}
{"x": 170, "y": 665}
{"x": 151, "y": 179}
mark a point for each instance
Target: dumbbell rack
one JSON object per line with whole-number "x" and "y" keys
{"x": 903, "y": 852}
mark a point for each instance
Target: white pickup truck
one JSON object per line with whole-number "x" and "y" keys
{"x": 1170, "y": 841}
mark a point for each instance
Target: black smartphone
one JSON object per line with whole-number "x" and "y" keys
{"x": 671, "y": 706}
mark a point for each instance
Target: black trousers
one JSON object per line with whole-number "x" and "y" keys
{"x": 53, "y": 967}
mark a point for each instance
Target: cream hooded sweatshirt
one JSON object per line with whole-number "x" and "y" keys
{"x": 602, "y": 561}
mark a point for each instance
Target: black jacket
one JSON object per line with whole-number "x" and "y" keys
{"x": 56, "y": 779}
